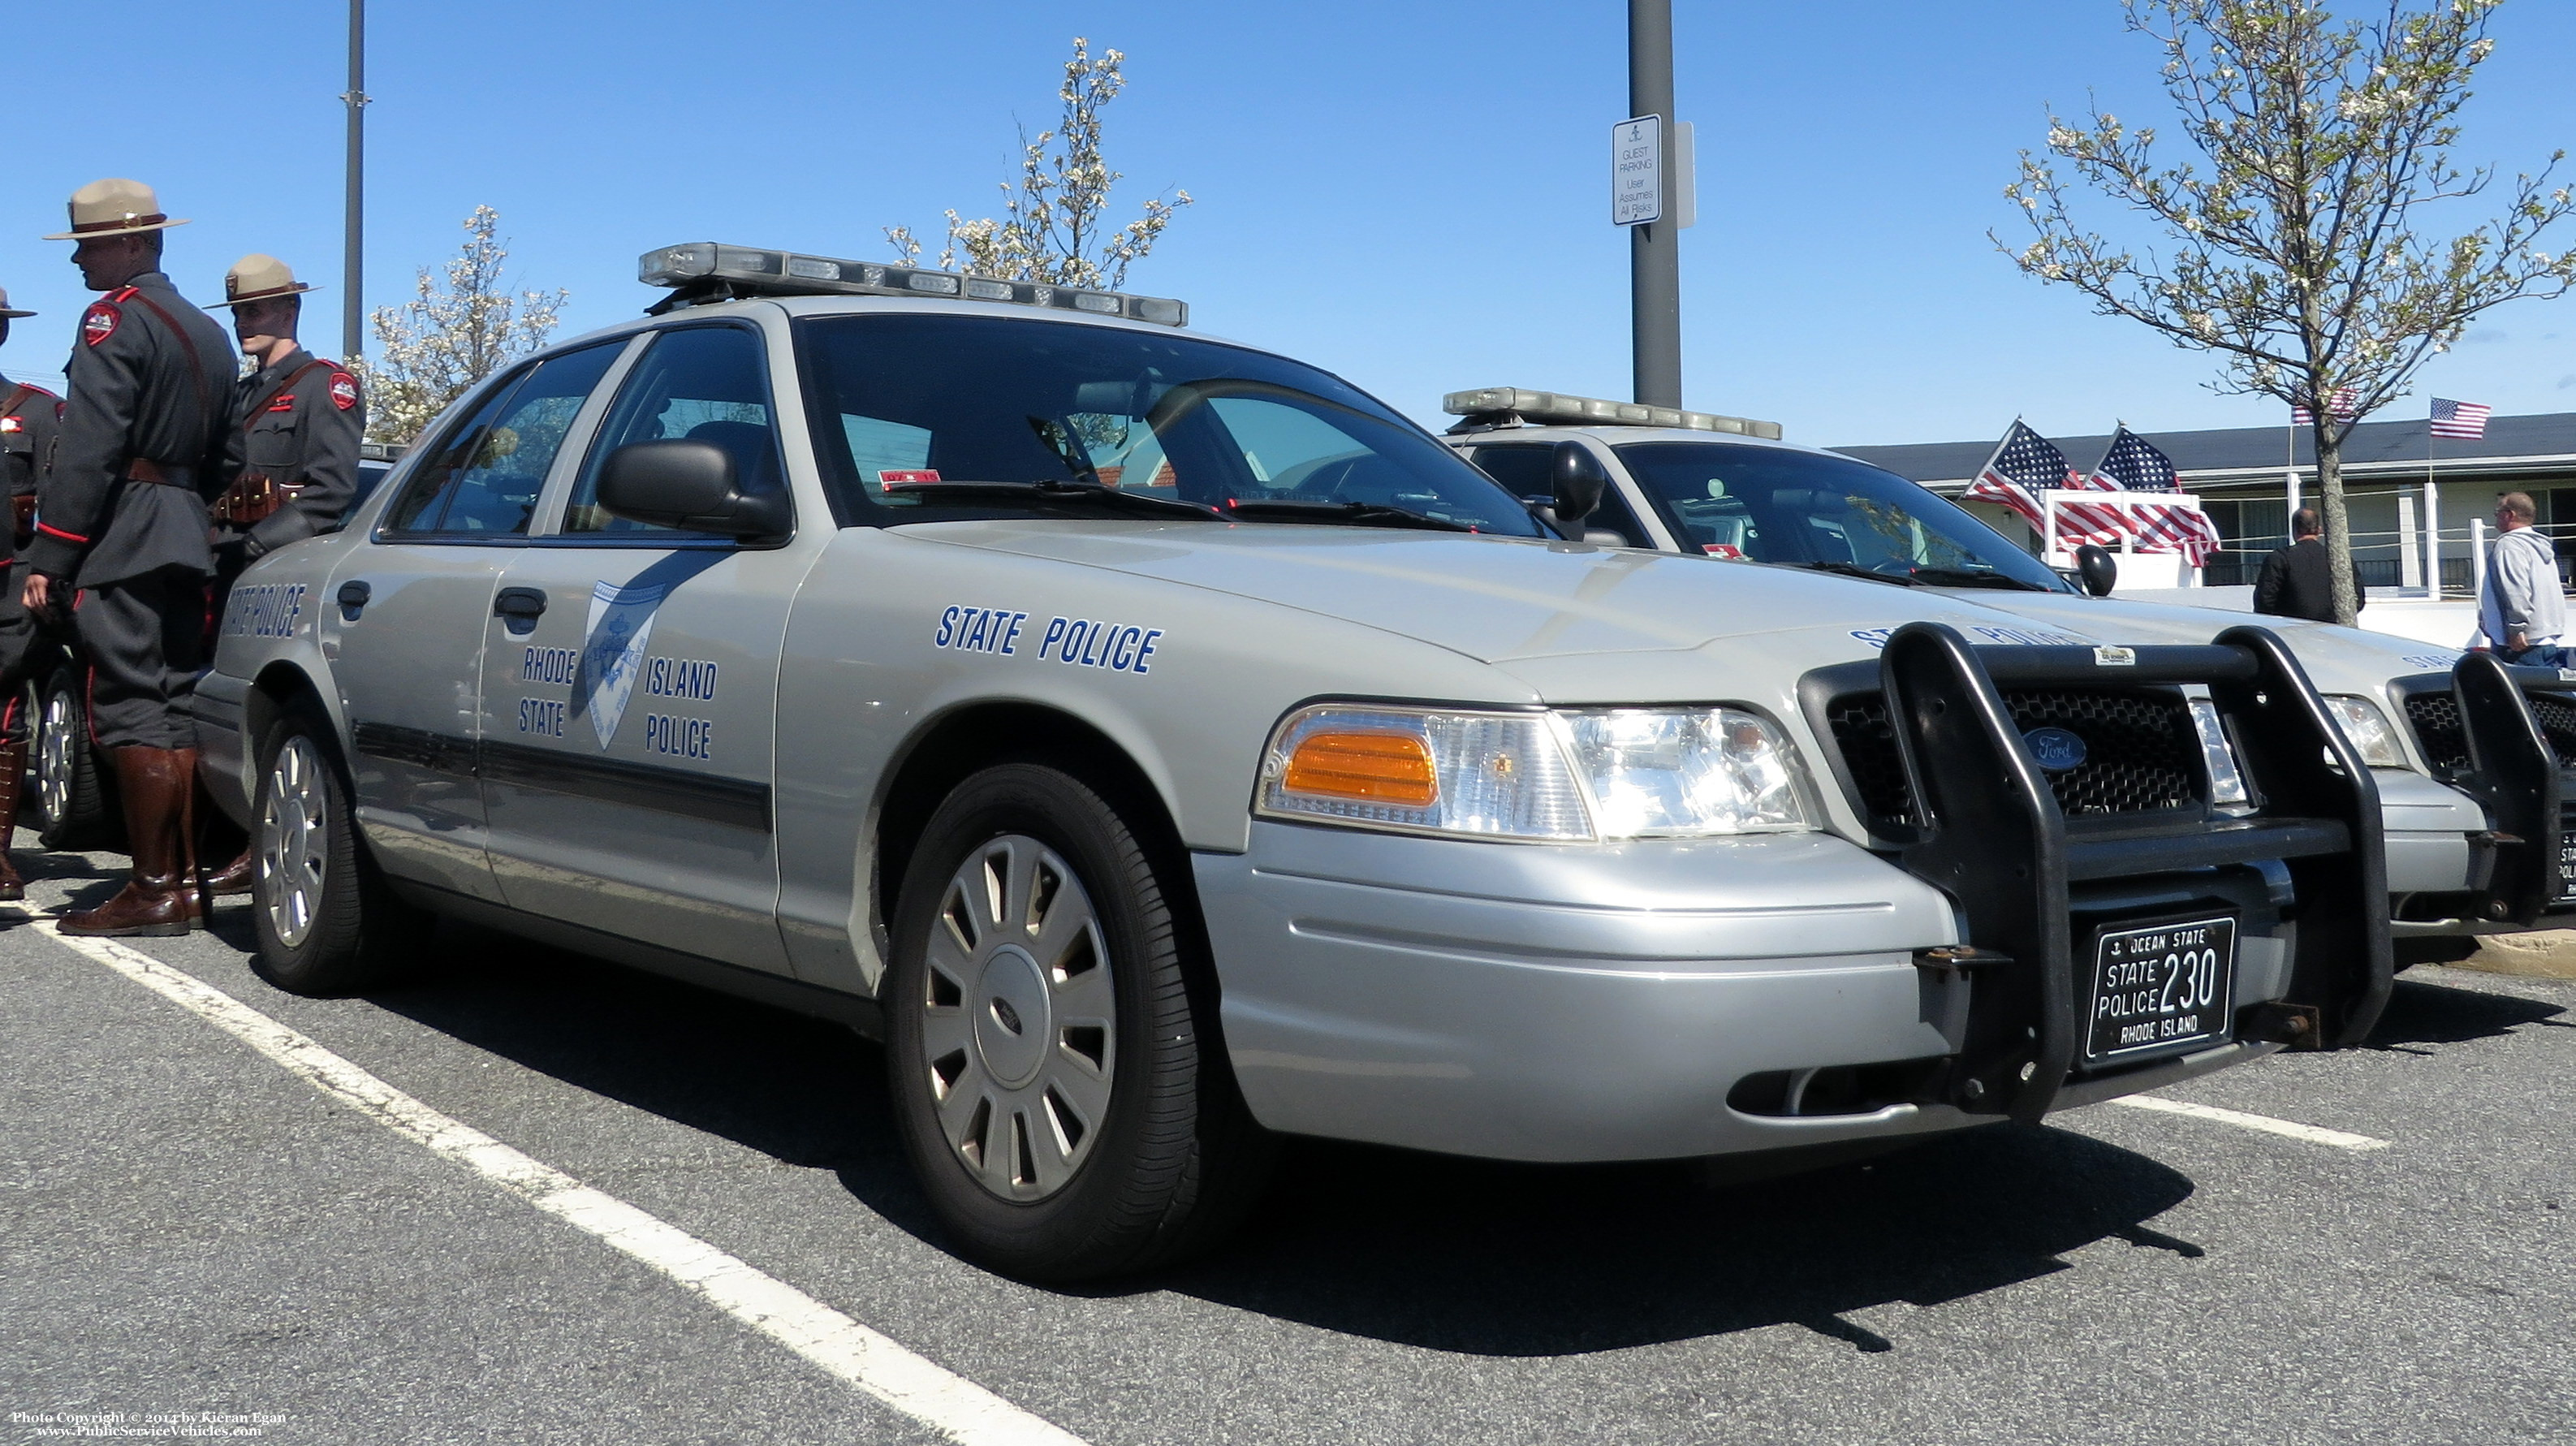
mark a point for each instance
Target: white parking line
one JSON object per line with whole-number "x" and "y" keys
{"x": 928, "y": 1393}
{"x": 2313, "y": 1134}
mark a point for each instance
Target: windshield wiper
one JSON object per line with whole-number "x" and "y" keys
{"x": 1055, "y": 492}
{"x": 1853, "y": 569}
{"x": 1973, "y": 577}
{"x": 1351, "y": 514}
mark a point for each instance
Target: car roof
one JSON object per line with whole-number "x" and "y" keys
{"x": 755, "y": 307}
{"x": 1615, "y": 435}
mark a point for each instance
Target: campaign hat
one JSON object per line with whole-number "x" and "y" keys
{"x": 114, "y": 207}
{"x": 6, "y": 310}
{"x": 257, "y": 278}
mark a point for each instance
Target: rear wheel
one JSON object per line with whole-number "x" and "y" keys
{"x": 327, "y": 921}
{"x": 75, "y": 806}
{"x": 1058, "y": 1091}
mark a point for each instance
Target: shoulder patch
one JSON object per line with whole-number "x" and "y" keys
{"x": 344, "y": 390}
{"x": 99, "y": 322}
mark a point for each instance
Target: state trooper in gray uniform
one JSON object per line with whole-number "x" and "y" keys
{"x": 290, "y": 455}
{"x": 121, "y": 519}
{"x": 30, "y": 416}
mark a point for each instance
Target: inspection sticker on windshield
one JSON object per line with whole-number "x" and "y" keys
{"x": 913, "y": 477}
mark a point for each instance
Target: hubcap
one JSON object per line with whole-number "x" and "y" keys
{"x": 56, "y": 737}
{"x": 292, "y": 865}
{"x": 1018, "y": 1019}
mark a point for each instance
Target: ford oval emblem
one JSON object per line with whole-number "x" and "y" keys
{"x": 2056, "y": 749}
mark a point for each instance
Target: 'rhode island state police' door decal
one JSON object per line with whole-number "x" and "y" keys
{"x": 621, "y": 619}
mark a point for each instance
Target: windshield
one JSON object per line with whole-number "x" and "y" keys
{"x": 901, "y": 400}
{"x": 1772, "y": 504}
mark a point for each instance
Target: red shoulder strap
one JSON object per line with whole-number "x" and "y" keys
{"x": 196, "y": 365}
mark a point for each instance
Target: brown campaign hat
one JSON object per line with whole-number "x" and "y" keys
{"x": 257, "y": 278}
{"x": 7, "y": 311}
{"x": 114, "y": 207}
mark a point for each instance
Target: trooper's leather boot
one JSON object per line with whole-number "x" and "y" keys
{"x": 216, "y": 832}
{"x": 13, "y": 771}
{"x": 161, "y": 898}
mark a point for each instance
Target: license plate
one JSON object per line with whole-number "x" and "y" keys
{"x": 2566, "y": 867}
{"x": 2161, "y": 988}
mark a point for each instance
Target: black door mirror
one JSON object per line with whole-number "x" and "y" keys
{"x": 1578, "y": 479}
{"x": 2098, "y": 569}
{"x": 692, "y": 485}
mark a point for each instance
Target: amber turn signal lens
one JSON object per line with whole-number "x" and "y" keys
{"x": 1369, "y": 767}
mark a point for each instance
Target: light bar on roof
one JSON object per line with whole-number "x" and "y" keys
{"x": 750, "y": 271}
{"x": 1596, "y": 412}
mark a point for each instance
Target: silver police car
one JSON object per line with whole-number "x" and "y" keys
{"x": 2469, "y": 835}
{"x": 1163, "y": 746}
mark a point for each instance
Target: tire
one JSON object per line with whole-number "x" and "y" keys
{"x": 1061, "y": 1093}
{"x": 75, "y": 799}
{"x": 326, "y": 920}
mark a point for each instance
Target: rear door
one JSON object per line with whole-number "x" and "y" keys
{"x": 404, "y": 615}
{"x": 630, "y": 680}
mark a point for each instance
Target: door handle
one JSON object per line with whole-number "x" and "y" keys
{"x": 519, "y": 603}
{"x": 353, "y": 596}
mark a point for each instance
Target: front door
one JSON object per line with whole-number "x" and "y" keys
{"x": 629, "y": 680}
{"x": 403, "y": 620}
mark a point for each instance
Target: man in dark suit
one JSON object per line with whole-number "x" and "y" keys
{"x": 2296, "y": 582}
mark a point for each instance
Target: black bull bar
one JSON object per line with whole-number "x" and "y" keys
{"x": 1993, "y": 837}
{"x": 2512, "y": 769}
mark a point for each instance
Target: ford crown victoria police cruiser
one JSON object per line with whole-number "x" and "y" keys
{"x": 1726, "y": 487}
{"x": 1161, "y": 744}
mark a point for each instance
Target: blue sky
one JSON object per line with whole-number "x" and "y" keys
{"x": 1414, "y": 196}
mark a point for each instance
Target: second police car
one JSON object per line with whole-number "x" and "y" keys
{"x": 1162, "y": 745}
{"x": 2469, "y": 790}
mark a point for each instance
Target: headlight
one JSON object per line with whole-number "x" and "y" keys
{"x": 2367, "y": 730}
{"x": 2226, "y": 780}
{"x": 1573, "y": 775}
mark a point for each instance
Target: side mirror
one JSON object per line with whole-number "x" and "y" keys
{"x": 1578, "y": 479}
{"x": 2098, "y": 569}
{"x": 687, "y": 484}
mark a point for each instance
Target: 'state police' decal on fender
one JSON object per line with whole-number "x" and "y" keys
{"x": 1084, "y": 642}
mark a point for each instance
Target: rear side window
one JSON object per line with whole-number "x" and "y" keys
{"x": 703, "y": 383}
{"x": 482, "y": 476}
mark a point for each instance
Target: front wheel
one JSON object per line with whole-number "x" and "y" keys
{"x": 326, "y": 920}
{"x": 1059, "y": 1094}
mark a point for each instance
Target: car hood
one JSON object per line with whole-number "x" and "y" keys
{"x": 1506, "y": 599}
{"x": 2338, "y": 659}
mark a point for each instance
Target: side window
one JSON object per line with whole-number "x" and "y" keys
{"x": 711, "y": 384}
{"x": 482, "y": 477}
{"x": 1523, "y": 471}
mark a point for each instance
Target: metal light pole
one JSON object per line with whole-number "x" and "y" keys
{"x": 353, "y": 315}
{"x": 1654, "y": 249}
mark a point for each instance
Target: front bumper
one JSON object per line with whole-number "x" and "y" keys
{"x": 1664, "y": 999}
{"x": 1543, "y": 1003}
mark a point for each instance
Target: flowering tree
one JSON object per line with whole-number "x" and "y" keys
{"x": 2290, "y": 244}
{"x": 1053, "y": 226}
{"x": 435, "y": 347}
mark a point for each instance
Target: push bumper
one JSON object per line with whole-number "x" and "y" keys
{"x": 2506, "y": 737}
{"x": 1664, "y": 999}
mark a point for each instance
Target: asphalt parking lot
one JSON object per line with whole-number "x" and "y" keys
{"x": 195, "y": 1238}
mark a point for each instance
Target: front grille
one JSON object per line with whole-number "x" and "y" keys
{"x": 2435, "y": 716}
{"x": 2557, "y": 715}
{"x": 2142, "y": 754}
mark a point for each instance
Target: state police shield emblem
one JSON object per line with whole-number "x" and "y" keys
{"x": 621, "y": 620}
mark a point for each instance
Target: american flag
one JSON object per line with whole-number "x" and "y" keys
{"x": 2023, "y": 463}
{"x": 2346, "y": 404}
{"x": 2133, "y": 464}
{"x": 2460, "y": 419}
